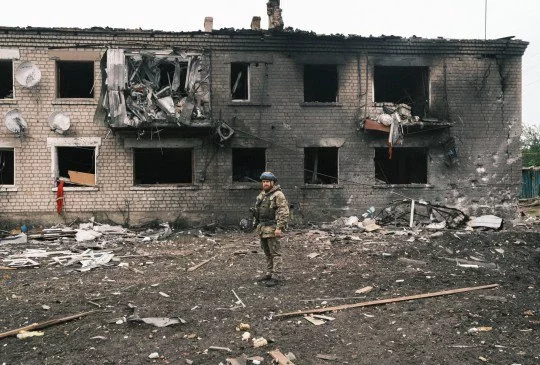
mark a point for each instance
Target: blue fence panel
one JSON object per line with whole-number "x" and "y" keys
{"x": 530, "y": 183}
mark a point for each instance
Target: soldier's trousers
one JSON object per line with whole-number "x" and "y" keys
{"x": 272, "y": 250}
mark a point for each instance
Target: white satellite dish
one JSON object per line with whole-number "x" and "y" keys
{"x": 14, "y": 122}
{"x": 59, "y": 122}
{"x": 28, "y": 74}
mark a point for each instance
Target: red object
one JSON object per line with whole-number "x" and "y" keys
{"x": 60, "y": 197}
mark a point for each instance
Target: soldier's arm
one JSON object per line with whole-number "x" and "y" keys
{"x": 282, "y": 211}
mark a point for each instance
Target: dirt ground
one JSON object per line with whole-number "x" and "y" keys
{"x": 494, "y": 326}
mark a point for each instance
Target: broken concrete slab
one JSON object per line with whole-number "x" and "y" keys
{"x": 487, "y": 221}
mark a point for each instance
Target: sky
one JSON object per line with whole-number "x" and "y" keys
{"x": 454, "y": 19}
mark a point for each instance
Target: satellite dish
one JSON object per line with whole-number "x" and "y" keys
{"x": 28, "y": 74}
{"x": 14, "y": 122}
{"x": 59, "y": 122}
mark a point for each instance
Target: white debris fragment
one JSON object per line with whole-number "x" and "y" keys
{"x": 46, "y": 307}
{"x": 259, "y": 342}
{"x": 164, "y": 294}
{"x": 153, "y": 355}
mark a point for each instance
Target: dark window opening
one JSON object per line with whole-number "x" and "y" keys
{"x": 77, "y": 159}
{"x": 6, "y": 79}
{"x": 7, "y": 167}
{"x": 407, "y": 166}
{"x": 320, "y": 83}
{"x": 248, "y": 163}
{"x": 75, "y": 79}
{"x": 239, "y": 81}
{"x": 321, "y": 165}
{"x": 173, "y": 74}
{"x": 163, "y": 166}
{"x": 408, "y": 85}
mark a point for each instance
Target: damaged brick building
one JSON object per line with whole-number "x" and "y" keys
{"x": 140, "y": 125}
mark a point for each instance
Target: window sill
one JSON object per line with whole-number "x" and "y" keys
{"x": 321, "y": 186}
{"x": 320, "y": 104}
{"x": 245, "y": 186}
{"x": 247, "y": 103}
{"x": 8, "y": 101}
{"x": 78, "y": 188}
{"x": 8, "y": 188}
{"x": 163, "y": 187}
{"x": 75, "y": 101}
{"x": 402, "y": 186}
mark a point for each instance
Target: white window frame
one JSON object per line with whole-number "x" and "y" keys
{"x": 248, "y": 64}
{"x": 6, "y": 187}
{"x": 53, "y": 143}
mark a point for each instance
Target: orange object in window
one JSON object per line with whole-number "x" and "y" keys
{"x": 60, "y": 197}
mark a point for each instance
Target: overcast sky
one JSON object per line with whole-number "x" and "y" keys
{"x": 422, "y": 18}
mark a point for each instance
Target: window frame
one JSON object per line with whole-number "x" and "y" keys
{"x": 318, "y": 148}
{"x": 395, "y": 152}
{"x": 10, "y": 187}
{"x": 320, "y": 65}
{"x": 248, "y": 82}
{"x": 264, "y": 151}
{"x": 53, "y": 143}
{"x": 7, "y": 61}
{"x": 163, "y": 185}
{"x": 58, "y": 75}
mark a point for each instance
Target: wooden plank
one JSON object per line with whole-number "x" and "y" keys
{"x": 35, "y": 326}
{"x": 372, "y": 125}
{"x": 386, "y": 301}
{"x": 82, "y": 178}
{"x": 280, "y": 358}
{"x": 193, "y": 268}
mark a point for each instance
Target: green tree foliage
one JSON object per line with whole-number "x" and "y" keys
{"x": 530, "y": 147}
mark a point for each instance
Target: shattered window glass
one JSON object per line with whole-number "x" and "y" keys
{"x": 75, "y": 79}
{"x": 320, "y": 83}
{"x": 321, "y": 165}
{"x": 408, "y": 85}
{"x": 6, "y": 79}
{"x": 7, "y": 166}
{"x": 162, "y": 166}
{"x": 408, "y": 165}
{"x": 248, "y": 163}
{"x": 240, "y": 81}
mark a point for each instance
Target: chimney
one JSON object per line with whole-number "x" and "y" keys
{"x": 256, "y": 23}
{"x": 208, "y": 24}
{"x": 275, "y": 21}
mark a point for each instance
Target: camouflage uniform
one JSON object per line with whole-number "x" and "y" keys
{"x": 272, "y": 211}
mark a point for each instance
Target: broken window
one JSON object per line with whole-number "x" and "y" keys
{"x": 76, "y": 165}
{"x": 403, "y": 84}
{"x": 248, "y": 163}
{"x": 162, "y": 166}
{"x": 407, "y": 166}
{"x": 320, "y": 83}
{"x": 75, "y": 79}
{"x": 6, "y": 79}
{"x": 321, "y": 165}
{"x": 240, "y": 81}
{"x": 7, "y": 166}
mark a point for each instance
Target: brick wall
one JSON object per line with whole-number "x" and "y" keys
{"x": 480, "y": 93}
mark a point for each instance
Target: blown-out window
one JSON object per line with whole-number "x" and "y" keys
{"x": 403, "y": 84}
{"x": 321, "y": 165}
{"x": 6, "y": 79}
{"x": 248, "y": 163}
{"x": 240, "y": 81}
{"x": 162, "y": 166}
{"x": 408, "y": 165}
{"x": 7, "y": 166}
{"x": 320, "y": 83}
{"x": 75, "y": 79}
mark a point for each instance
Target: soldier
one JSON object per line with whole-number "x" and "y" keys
{"x": 271, "y": 213}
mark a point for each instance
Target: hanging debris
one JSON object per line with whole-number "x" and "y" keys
{"x": 148, "y": 87}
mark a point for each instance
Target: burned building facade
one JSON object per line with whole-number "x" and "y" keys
{"x": 133, "y": 125}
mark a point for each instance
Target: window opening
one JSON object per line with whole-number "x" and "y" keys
{"x": 248, "y": 163}
{"x": 6, "y": 79}
{"x": 75, "y": 79}
{"x": 407, "y": 166}
{"x": 408, "y": 85}
{"x": 7, "y": 166}
{"x": 163, "y": 166}
{"x": 321, "y": 165}
{"x": 76, "y": 165}
{"x": 239, "y": 81}
{"x": 172, "y": 74}
{"x": 320, "y": 83}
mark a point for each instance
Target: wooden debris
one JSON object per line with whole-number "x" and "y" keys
{"x": 193, "y": 268}
{"x": 217, "y": 348}
{"x": 315, "y": 321}
{"x": 386, "y": 301}
{"x": 411, "y": 261}
{"x": 49, "y": 323}
{"x": 280, "y": 358}
{"x": 239, "y": 300}
{"x": 467, "y": 263}
{"x": 364, "y": 290}
{"x": 327, "y": 357}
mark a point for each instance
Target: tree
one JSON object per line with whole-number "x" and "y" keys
{"x": 530, "y": 147}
